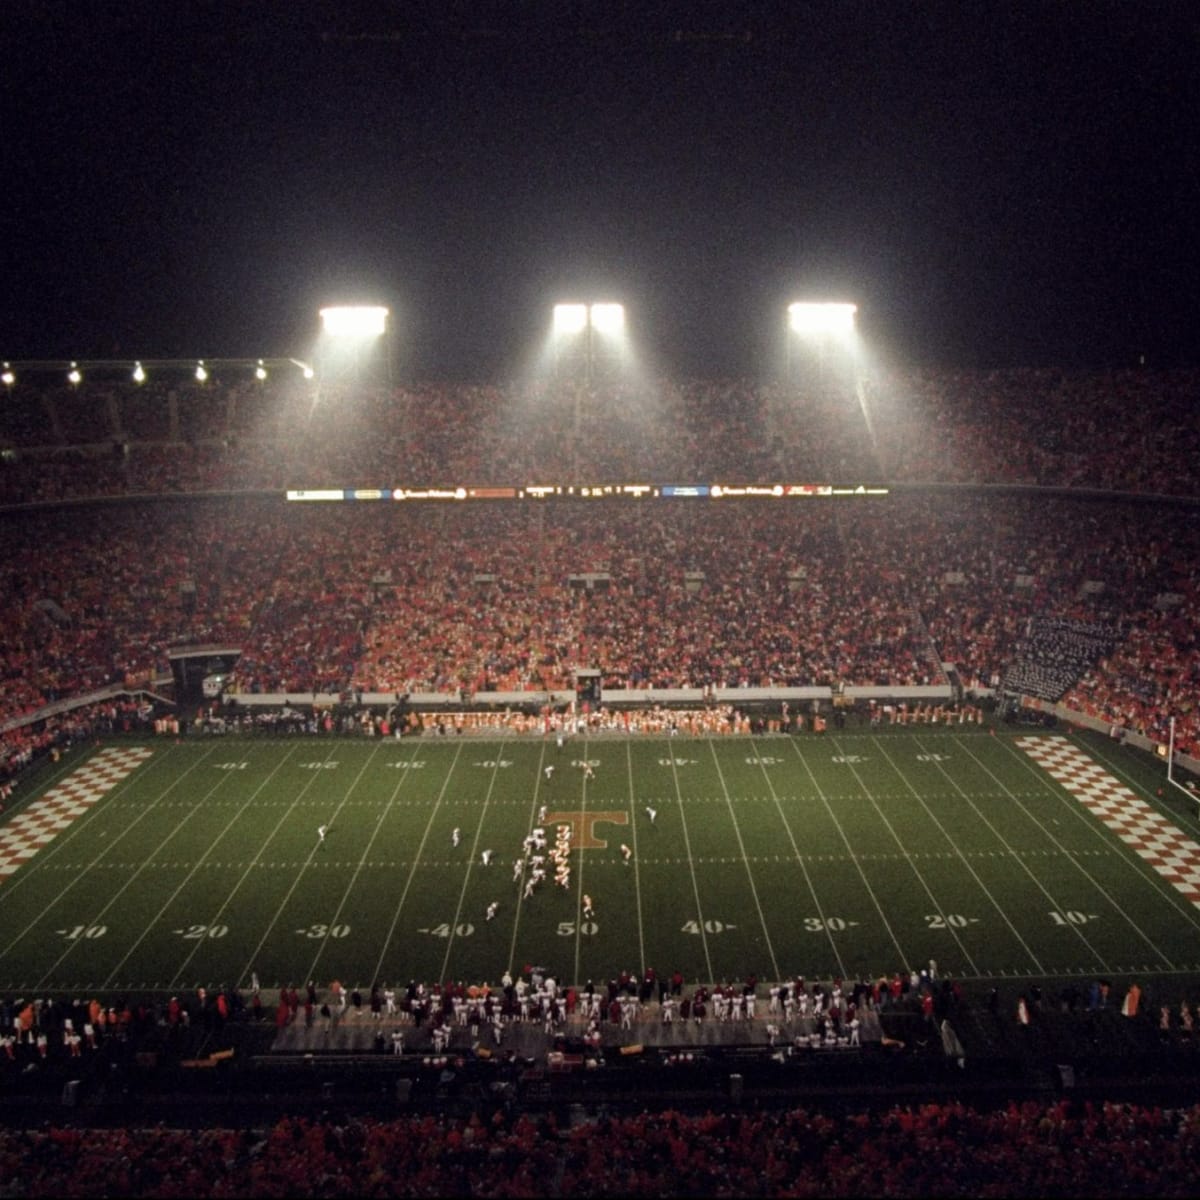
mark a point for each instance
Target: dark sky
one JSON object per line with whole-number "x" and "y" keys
{"x": 997, "y": 183}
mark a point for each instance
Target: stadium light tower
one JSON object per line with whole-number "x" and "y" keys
{"x": 816, "y": 330}
{"x": 584, "y": 330}
{"x": 351, "y": 337}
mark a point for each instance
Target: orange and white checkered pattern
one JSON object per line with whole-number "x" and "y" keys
{"x": 40, "y": 823}
{"x": 1172, "y": 854}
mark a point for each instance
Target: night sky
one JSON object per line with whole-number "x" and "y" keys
{"x": 993, "y": 184}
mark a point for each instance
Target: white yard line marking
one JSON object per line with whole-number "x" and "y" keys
{"x": 85, "y": 871}
{"x": 587, "y": 748}
{"x": 745, "y": 861}
{"x": 311, "y": 973}
{"x": 637, "y": 878}
{"x": 520, "y": 881}
{"x": 964, "y": 858}
{"x": 937, "y": 907}
{"x": 854, "y": 858}
{"x": 195, "y": 867}
{"x": 143, "y": 864}
{"x": 249, "y": 869}
{"x": 433, "y": 812}
{"x": 691, "y": 867}
{"x": 1054, "y": 901}
{"x": 812, "y": 891}
{"x": 475, "y": 852}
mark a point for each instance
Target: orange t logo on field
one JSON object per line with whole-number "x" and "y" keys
{"x": 583, "y": 826}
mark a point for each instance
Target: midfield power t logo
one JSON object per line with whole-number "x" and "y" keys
{"x": 583, "y": 826}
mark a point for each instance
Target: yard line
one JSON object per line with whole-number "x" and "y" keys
{"x": 1016, "y": 857}
{"x": 908, "y": 858}
{"x": 637, "y": 879}
{"x": 1078, "y": 865}
{"x": 142, "y": 867}
{"x": 471, "y": 863}
{"x": 81, "y": 827}
{"x": 579, "y": 888}
{"x": 812, "y": 891}
{"x": 854, "y": 857}
{"x": 520, "y": 883}
{"x": 311, "y": 973}
{"x": 965, "y": 861}
{"x": 412, "y": 871}
{"x": 82, "y": 874}
{"x": 250, "y": 868}
{"x": 745, "y": 861}
{"x": 692, "y": 868}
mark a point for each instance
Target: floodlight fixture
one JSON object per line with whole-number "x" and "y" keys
{"x": 570, "y": 318}
{"x": 201, "y": 372}
{"x": 74, "y": 375}
{"x": 139, "y": 373}
{"x": 305, "y": 369}
{"x": 608, "y": 318}
{"x": 260, "y": 372}
{"x": 354, "y": 321}
{"x": 8, "y": 378}
{"x": 806, "y": 317}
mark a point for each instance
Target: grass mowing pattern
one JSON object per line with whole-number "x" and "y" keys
{"x": 852, "y": 854}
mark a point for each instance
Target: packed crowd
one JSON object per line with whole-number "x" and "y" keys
{"x": 1034, "y": 1148}
{"x": 479, "y": 598}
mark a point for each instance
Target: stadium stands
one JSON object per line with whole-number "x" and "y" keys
{"x": 890, "y": 592}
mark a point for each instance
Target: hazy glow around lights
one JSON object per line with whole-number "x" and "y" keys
{"x": 359, "y": 322}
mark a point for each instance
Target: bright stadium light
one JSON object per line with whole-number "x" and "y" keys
{"x": 306, "y": 370}
{"x": 139, "y": 373}
{"x": 588, "y": 340}
{"x": 608, "y": 318}
{"x": 8, "y": 378}
{"x": 260, "y": 372}
{"x": 570, "y": 318}
{"x": 365, "y": 321}
{"x": 804, "y": 317}
{"x": 74, "y": 375}
{"x": 201, "y": 372}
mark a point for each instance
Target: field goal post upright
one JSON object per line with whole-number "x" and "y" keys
{"x": 1188, "y": 789}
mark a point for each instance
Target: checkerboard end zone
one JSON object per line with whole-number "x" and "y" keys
{"x": 1171, "y": 853}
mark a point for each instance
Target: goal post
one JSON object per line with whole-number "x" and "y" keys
{"x": 1189, "y": 788}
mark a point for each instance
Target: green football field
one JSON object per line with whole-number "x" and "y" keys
{"x": 850, "y": 854}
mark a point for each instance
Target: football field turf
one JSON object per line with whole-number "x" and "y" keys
{"x": 158, "y": 866}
